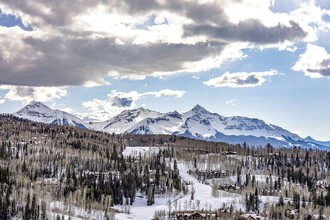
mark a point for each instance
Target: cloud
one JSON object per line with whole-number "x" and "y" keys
{"x": 116, "y": 102}
{"x": 249, "y": 31}
{"x": 2, "y": 101}
{"x": 167, "y": 93}
{"x": 71, "y": 45}
{"x": 315, "y": 62}
{"x": 74, "y": 62}
{"x": 231, "y": 102}
{"x": 241, "y": 79}
{"x": 27, "y": 94}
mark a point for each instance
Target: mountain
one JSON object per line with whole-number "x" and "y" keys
{"x": 197, "y": 123}
{"x": 125, "y": 120}
{"x": 38, "y": 112}
{"x": 312, "y": 140}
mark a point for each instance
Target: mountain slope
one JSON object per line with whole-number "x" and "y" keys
{"x": 125, "y": 120}
{"x": 38, "y": 112}
{"x": 199, "y": 123}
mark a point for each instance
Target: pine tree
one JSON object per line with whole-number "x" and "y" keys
{"x": 33, "y": 209}
{"x": 256, "y": 200}
{"x": 27, "y": 211}
{"x": 43, "y": 211}
{"x": 281, "y": 201}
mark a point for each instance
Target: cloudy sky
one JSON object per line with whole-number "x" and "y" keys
{"x": 268, "y": 59}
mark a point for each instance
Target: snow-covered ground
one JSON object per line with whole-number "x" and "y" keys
{"x": 203, "y": 199}
{"x": 203, "y": 196}
{"x": 136, "y": 151}
{"x": 72, "y": 212}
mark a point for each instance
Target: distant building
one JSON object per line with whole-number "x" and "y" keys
{"x": 252, "y": 216}
{"x": 196, "y": 215}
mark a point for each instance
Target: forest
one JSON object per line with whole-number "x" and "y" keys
{"x": 63, "y": 172}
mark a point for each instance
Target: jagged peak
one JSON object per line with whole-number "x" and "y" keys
{"x": 36, "y": 103}
{"x": 199, "y": 108}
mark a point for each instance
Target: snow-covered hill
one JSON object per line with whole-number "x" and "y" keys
{"x": 38, "y": 112}
{"x": 196, "y": 123}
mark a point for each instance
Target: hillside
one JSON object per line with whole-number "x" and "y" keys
{"x": 70, "y": 172}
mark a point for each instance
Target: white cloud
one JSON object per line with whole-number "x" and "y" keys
{"x": 73, "y": 45}
{"x": 241, "y": 79}
{"x": 2, "y": 101}
{"x": 27, "y": 94}
{"x": 315, "y": 62}
{"x": 231, "y": 102}
{"x": 118, "y": 101}
{"x": 167, "y": 93}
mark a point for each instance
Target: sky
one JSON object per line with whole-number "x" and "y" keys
{"x": 267, "y": 59}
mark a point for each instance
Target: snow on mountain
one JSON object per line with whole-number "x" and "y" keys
{"x": 167, "y": 123}
{"x": 202, "y": 124}
{"x": 197, "y": 123}
{"x": 312, "y": 140}
{"x": 38, "y": 112}
{"x": 125, "y": 120}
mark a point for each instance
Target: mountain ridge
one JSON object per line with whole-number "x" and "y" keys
{"x": 197, "y": 123}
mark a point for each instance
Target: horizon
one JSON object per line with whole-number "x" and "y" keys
{"x": 260, "y": 59}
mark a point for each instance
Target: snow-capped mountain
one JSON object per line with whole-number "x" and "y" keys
{"x": 312, "y": 140}
{"x": 125, "y": 120}
{"x": 38, "y": 112}
{"x": 202, "y": 124}
{"x": 196, "y": 123}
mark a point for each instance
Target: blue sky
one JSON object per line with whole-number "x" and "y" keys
{"x": 263, "y": 59}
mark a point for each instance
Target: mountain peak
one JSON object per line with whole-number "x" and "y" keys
{"x": 34, "y": 106}
{"x": 199, "y": 108}
{"x": 39, "y": 112}
{"x": 309, "y": 138}
{"x": 36, "y": 103}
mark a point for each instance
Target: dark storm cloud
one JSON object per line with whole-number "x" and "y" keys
{"x": 76, "y": 61}
{"x": 76, "y": 58}
{"x": 249, "y": 31}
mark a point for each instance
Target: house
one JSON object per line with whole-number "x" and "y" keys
{"x": 196, "y": 215}
{"x": 251, "y": 216}
{"x": 186, "y": 215}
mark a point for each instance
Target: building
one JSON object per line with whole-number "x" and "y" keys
{"x": 252, "y": 216}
